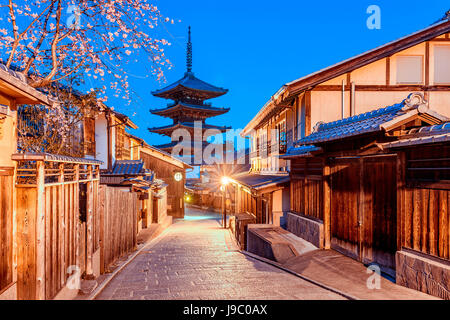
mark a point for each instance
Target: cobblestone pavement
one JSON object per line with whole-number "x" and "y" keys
{"x": 196, "y": 259}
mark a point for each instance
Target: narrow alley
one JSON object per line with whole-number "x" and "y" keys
{"x": 196, "y": 259}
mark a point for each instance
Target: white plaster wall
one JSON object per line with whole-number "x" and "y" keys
{"x": 101, "y": 140}
{"x": 8, "y": 139}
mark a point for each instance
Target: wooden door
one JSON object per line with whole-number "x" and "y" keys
{"x": 379, "y": 212}
{"x": 345, "y": 225}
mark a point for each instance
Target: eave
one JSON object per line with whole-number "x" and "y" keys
{"x": 167, "y": 130}
{"x": 177, "y": 109}
{"x": 14, "y": 88}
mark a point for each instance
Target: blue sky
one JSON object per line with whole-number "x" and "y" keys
{"x": 253, "y": 47}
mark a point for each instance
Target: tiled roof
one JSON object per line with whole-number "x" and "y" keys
{"x": 301, "y": 151}
{"x": 181, "y": 143}
{"x": 353, "y": 126}
{"x": 259, "y": 181}
{"x": 191, "y": 82}
{"x": 423, "y": 135}
{"x": 188, "y": 125}
{"x": 128, "y": 167}
{"x": 28, "y": 156}
{"x": 189, "y": 106}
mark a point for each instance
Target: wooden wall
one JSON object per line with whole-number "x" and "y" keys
{"x": 175, "y": 189}
{"x": 118, "y": 212}
{"x": 307, "y": 187}
{"x": 424, "y": 200}
{"x": 254, "y": 205}
{"x": 6, "y": 227}
{"x": 53, "y": 242}
{"x": 62, "y": 234}
{"x": 306, "y": 197}
{"x": 426, "y": 216}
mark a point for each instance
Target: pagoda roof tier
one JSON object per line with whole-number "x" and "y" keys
{"x": 170, "y": 145}
{"x": 190, "y": 126}
{"x": 190, "y": 86}
{"x": 186, "y": 110}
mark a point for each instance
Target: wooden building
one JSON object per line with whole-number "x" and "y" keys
{"x": 348, "y": 187}
{"x": 14, "y": 91}
{"x": 172, "y": 171}
{"x": 107, "y": 135}
{"x": 379, "y": 77}
{"x": 423, "y": 212}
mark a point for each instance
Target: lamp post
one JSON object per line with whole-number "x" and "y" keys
{"x": 224, "y": 180}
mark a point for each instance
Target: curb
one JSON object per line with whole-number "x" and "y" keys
{"x": 102, "y": 286}
{"x": 279, "y": 266}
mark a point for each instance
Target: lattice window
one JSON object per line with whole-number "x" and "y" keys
{"x": 429, "y": 165}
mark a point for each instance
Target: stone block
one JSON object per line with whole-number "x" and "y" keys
{"x": 305, "y": 228}
{"x": 425, "y": 273}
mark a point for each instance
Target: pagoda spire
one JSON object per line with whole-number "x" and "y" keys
{"x": 189, "y": 52}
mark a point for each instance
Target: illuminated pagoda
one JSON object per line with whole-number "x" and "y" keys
{"x": 188, "y": 106}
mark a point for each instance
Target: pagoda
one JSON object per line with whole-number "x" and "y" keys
{"x": 188, "y": 107}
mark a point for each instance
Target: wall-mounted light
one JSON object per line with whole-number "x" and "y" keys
{"x": 178, "y": 176}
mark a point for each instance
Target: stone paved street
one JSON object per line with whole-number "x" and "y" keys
{"x": 196, "y": 259}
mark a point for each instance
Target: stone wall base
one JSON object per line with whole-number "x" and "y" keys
{"x": 423, "y": 273}
{"x": 305, "y": 228}
{"x": 266, "y": 240}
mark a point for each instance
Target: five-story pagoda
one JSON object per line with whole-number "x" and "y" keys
{"x": 188, "y": 108}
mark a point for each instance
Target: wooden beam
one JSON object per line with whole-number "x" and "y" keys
{"x": 388, "y": 71}
{"x": 89, "y": 224}
{"x": 307, "y": 113}
{"x": 327, "y": 206}
{"x": 61, "y": 224}
{"x": 427, "y": 63}
{"x": 384, "y": 88}
{"x": 40, "y": 231}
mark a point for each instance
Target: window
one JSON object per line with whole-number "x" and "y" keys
{"x": 409, "y": 69}
{"x": 282, "y": 136}
{"x": 442, "y": 64}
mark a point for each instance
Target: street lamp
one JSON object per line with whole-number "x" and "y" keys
{"x": 225, "y": 181}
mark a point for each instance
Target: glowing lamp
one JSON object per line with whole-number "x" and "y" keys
{"x": 178, "y": 176}
{"x": 225, "y": 180}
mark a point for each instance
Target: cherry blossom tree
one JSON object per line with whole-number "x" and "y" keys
{"x": 77, "y": 44}
{"x": 62, "y": 40}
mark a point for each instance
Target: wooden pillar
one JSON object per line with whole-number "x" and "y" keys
{"x": 89, "y": 223}
{"x": 77, "y": 210}
{"x": 327, "y": 205}
{"x": 61, "y": 223}
{"x": 101, "y": 212}
{"x": 401, "y": 167}
{"x": 40, "y": 230}
{"x": 308, "y": 113}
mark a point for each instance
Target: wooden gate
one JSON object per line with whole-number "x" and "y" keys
{"x": 52, "y": 243}
{"x": 6, "y": 227}
{"x": 363, "y": 209}
{"x": 345, "y": 185}
{"x": 379, "y": 211}
{"x": 118, "y": 211}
